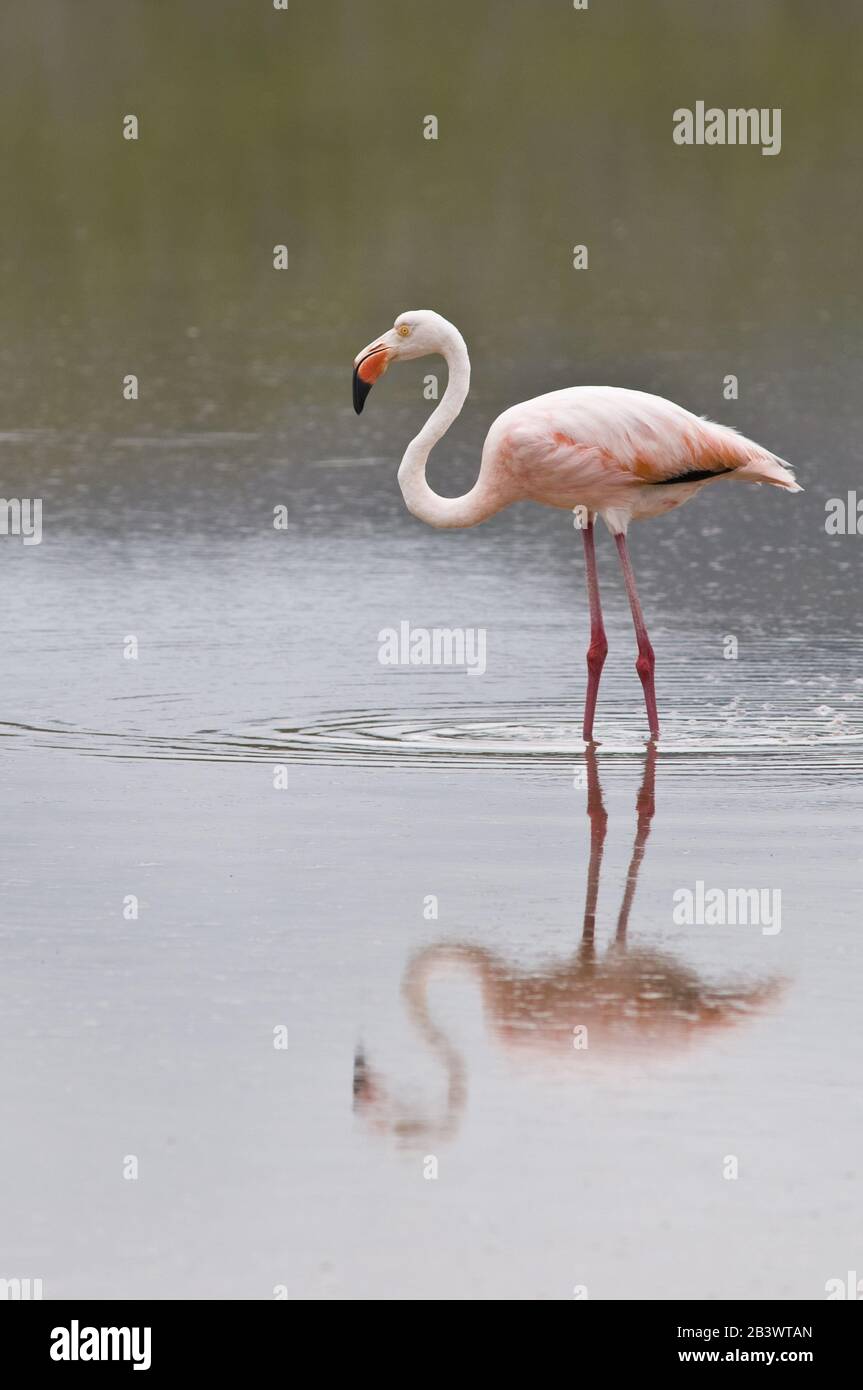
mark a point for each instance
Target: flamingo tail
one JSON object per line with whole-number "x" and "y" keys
{"x": 767, "y": 468}
{"x": 751, "y": 462}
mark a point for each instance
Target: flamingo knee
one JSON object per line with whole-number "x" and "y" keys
{"x": 596, "y": 654}
{"x": 645, "y": 663}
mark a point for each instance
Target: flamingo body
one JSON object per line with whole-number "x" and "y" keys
{"x": 622, "y": 454}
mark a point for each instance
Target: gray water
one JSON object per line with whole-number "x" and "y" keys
{"x": 414, "y": 1037}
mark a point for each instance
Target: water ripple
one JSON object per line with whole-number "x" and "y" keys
{"x": 523, "y": 737}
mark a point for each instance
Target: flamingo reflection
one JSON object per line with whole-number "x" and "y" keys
{"x": 629, "y": 999}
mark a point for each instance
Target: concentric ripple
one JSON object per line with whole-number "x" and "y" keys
{"x": 525, "y": 737}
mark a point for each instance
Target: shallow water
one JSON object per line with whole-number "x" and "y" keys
{"x": 411, "y": 1037}
{"x": 449, "y": 885}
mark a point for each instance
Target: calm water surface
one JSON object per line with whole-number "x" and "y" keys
{"x": 412, "y": 1037}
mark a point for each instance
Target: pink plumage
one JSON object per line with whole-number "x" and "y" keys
{"x": 619, "y": 453}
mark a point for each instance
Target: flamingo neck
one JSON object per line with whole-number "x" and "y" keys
{"x": 420, "y": 499}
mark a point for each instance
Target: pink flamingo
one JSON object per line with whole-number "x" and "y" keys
{"x": 597, "y": 450}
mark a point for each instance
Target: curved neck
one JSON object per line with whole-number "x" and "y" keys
{"x": 425, "y": 504}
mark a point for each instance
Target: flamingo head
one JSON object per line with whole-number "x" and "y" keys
{"x": 416, "y": 333}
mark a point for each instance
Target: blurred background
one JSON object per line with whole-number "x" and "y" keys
{"x": 305, "y": 127}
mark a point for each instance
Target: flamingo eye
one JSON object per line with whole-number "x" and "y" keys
{"x": 403, "y": 330}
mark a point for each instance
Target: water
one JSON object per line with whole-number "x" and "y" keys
{"x": 449, "y": 884}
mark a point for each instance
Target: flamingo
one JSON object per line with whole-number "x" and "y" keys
{"x": 597, "y": 450}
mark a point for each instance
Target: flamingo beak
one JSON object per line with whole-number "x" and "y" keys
{"x": 371, "y": 363}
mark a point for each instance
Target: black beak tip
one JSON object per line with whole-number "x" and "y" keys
{"x": 361, "y": 390}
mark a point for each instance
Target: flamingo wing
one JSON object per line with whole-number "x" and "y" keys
{"x": 594, "y": 443}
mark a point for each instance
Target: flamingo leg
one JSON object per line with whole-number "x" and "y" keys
{"x": 598, "y": 648}
{"x": 645, "y": 660}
